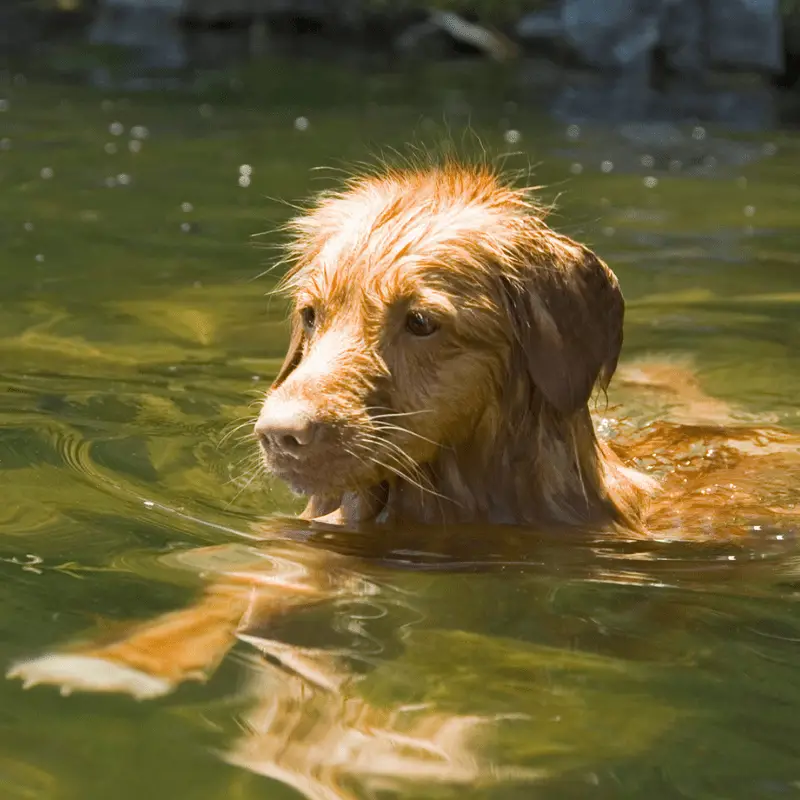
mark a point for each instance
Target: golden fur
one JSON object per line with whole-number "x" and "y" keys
{"x": 485, "y": 420}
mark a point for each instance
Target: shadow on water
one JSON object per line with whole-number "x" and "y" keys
{"x": 134, "y": 335}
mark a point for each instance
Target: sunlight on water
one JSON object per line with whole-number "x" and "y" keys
{"x": 138, "y": 333}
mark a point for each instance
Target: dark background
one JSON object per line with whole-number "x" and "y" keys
{"x": 735, "y": 62}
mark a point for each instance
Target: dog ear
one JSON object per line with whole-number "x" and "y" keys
{"x": 567, "y": 312}
{"x": 293, "y": 354}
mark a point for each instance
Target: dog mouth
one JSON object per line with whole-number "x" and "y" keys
{"x": 336, "y": 474}
{"x": 358, "y": 464}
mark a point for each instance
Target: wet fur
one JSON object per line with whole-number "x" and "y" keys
{"x": 496, "y": 415}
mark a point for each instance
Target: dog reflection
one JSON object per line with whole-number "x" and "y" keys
{"x": 307, "y": 726}
{"x": 310, "y": 729}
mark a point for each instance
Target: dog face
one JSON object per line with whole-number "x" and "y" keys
{"x": 424, "y": 302}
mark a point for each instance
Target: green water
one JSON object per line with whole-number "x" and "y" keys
{"x": 136, "y": 332}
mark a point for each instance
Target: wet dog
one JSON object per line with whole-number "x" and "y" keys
{"x": 445, "y": 346}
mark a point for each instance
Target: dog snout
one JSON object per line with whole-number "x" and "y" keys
{"x": 289, "y": 428}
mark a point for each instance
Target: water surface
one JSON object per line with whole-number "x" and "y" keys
{"x": 137, "y": 330}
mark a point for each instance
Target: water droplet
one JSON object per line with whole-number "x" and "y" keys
{"x": 110, "y": 148}
{"x": 256, "y": 378}
{"x": 675, "y": 165}
{"x": 769, "y": 149}
{"x": 301, "y": 124}
{"x": 186, "y": 227}
{"x": 107, "y": 105}
{"x": 576, "y": 168}
{"x": 134, "y": 145}
{"x": 573, "y": 132}
{"x": 39, "y": 257}
{"x": 749, "y": 211}
{"x": 604, "y": 202}
{"x": 139, "y": 132}
{"x": 116, "y": 129}
{"x": 123, "y": 179}
{"x": 608, "y": 231}
{"x": 5, "y": 144}
{"x": 244, "y": 181}
{"x": 648, "y": 162}
{"x": 245, "y": 169}
{"x": 731, "y": 558}
{"x": 741, "y": 182}
{"x": 28, "y": 226}
{"x": 606, "y": 166}
{"x": 187, "y": 208}
{"x": 46, "y": 173}
{"x": 698, "y": 133}
{"x": 205, "y": 110}
{"x": 512, "y": 136}
{"x": 3, "y": 104}
{"x": 111, "y": 181}
{"x": 149, "y": 503}
{"x": 650, "y": 182}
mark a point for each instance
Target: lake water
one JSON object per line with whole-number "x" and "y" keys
{"x": 136, "y": 331}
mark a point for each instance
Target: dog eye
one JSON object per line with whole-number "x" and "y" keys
{"x": 420, "y": 324}
{"x": 309, "y": 317}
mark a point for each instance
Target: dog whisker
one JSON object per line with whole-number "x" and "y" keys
{"x": 385, "y": 427}
{"x": 389, "y": 446}
{"x": 417, "y": 477}
{"x": 370, "y": 409}
{"x": 403, "y": 476}
{"x": 240, "y": 473}
{"x": 256, "y": 473}
{"x": 227, "y": 435}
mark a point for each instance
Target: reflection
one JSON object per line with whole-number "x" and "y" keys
{"x": 332, "y": 724}
{"x": 310, "y": 729}
{"x": 308, "y": 725}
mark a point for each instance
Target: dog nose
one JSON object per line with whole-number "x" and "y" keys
{"x": 289, "y": 428}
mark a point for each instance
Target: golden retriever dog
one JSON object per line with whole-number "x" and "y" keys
{"x": 445, "y": 346}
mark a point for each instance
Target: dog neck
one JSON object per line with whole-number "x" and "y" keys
{"x": 530, "y": 468}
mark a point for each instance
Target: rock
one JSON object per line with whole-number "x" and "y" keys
{"x": 746, "y": 34}
{"x": 547, "y": 24}
{"x": 683, "y": 36}
{"x": 608, "y": 35}
{"x": 613, "y": 34}
{"x": 692, "y": 34}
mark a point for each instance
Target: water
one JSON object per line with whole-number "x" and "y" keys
{"x": 137, "y": 330}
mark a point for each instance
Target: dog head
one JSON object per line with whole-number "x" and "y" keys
{"x": 425, "y": 302}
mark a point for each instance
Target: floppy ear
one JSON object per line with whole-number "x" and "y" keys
{"x": 293, "y": 354}
{"x": 567, "y": 310}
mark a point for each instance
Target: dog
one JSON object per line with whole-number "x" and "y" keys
{"x": 445, "y": 348}
{"x": 445, "y": 344}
